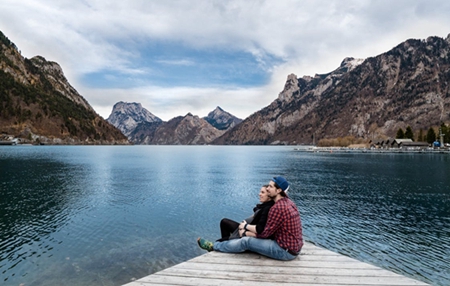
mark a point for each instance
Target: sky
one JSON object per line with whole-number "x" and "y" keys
{"x": 181, "y": 56}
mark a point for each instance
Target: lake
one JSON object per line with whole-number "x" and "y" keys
{"x": 105, "y": 215}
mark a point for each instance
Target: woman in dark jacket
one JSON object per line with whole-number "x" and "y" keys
{"x": 230, "y": 228}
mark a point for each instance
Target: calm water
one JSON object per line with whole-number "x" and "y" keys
{"x": 103, "y": 215}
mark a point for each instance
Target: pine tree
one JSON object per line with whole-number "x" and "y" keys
{"x": 446, "y": 131}
{"x": 420, "y": 137}
{"x": 409, "y": 133}
{"x": 431, "y": 135}
{"x": 400, "y": 134}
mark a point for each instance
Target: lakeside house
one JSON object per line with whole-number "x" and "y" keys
{"x": 8, "y": 140}
{"x": 397, "y": 143}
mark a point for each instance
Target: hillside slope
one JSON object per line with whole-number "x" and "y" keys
{"x": 38, "y": 105}
{"x": 406, "y": 86}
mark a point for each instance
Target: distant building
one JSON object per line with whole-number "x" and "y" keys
{"x": 397, "y": 143}
{"x": 420, "y": 145}
{"x": 381, "y": 143}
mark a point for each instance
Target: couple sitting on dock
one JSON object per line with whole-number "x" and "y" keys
{"x": 275, "y": 230}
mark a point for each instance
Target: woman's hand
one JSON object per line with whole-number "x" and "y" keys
{"x": 242, "y": 225}
{"x": 249, "y": 228}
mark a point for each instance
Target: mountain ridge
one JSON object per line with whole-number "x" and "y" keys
{"x": 363, "y": 98}
{"x": 126, "y": 116}
{"x": 39, "y": 106}
{"x": 142, "y": 127}
{"x": 407, "y": 85}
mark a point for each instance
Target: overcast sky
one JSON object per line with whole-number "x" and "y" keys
{"x": 176, "y": 57}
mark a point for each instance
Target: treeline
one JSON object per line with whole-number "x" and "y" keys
{"x": 26, "y": 103}
{"x": 341, "y": 141}
{"x": 431, "y": 135}
{"x": 5, "y": 41}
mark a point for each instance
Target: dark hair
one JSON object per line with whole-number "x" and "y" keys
{"x": 282, "y": 193}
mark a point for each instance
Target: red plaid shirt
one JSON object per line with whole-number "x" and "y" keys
{"x": 285, "y": 225}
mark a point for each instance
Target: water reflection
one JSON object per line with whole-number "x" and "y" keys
{"x": 108, "y": 214}
{"x": 35, "y": 203}
{"x": 387, "y": 211}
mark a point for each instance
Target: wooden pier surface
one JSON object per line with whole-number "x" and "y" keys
{"x": 314, "y": 266}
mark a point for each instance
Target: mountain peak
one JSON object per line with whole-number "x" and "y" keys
{"x": 181, "y": 130}
{"x": 351, "y": 63}
{"x": 42, "y": 107}
{"x": 221, "y": 119}
{"x": 364, "y": 99}
{"x": 290, "y": 88}
{"x": 127, "y": 115}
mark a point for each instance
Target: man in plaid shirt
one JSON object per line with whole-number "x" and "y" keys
{"x": 283, "y": 225}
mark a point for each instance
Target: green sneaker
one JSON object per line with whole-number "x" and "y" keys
{"x": 205, "y": 244}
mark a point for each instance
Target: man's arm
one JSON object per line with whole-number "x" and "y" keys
{"x": 274, "y": 221}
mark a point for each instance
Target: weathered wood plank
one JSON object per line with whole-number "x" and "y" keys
{"x": 231, "y": 280}
{"x": 337, "y": 271}
{"x": 245, "y": 257}
{"x": 210, "y": 282}
{"x": 323, "y": 278}
{"x": 315, "y": 266}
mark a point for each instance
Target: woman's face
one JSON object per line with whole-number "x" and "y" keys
{"x": 263, "y": 195}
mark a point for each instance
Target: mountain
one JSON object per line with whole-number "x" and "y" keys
{"x": 126, "y": 116}
{"x": 142, "y": 127}
{"x": 221, "y": 119}
{"x": 38, "y": 105}
{"x": 181, "y": 130}
{"x": 406, "y": 86}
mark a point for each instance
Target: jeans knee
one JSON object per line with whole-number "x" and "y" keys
{"x": 245, "y": 241}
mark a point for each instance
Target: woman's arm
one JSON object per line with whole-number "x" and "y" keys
{"x": 249, "y": 228}
{"x": 243, "y": 232}
{"x": 259, "y": 221}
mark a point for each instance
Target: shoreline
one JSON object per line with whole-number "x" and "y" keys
{"x": 314, "y": 149}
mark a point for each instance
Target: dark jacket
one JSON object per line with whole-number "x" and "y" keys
{"x": 261, "y": 212}
{"x": 259, "y": 218}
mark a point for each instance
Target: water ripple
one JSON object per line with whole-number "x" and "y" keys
{"x": 106, "y": 215}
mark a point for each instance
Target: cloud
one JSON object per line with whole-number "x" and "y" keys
{"x": 180, "y": 56}
{"x": 179, "y": 62}
{"x": 168, "y": 103}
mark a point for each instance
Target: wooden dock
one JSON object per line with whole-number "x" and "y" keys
{"x": 314, "y": 266}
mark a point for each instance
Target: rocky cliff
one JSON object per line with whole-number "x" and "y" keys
{"x": 365, "y": 98}
{"x": 181, "y": 130}
{"x": 38, "y": 105}
{"x": 126, "y": 116}
{"x": 142, "y": 127}
{"x": 406, "y": 86}
{"x": 221, "y": 119}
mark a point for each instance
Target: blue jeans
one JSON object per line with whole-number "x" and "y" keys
{"x": 266, "y": 247}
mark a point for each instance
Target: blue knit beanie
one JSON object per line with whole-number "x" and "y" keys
{"x": 282, "y": 183}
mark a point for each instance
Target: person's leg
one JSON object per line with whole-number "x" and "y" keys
{"x": 231, "y": 246}
{"x": 269, "y": 248}
{"x": 266, "y": 247}
{"x": 227, "y": 226}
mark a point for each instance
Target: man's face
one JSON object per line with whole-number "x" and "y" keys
{"x": 272, "y": 190}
